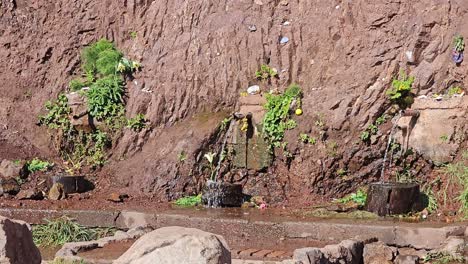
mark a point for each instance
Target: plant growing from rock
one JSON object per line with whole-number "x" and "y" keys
{"x": 458, "y": 43}
{"x": 277, "y": 117}
{"x": 182, "y": 156}
{"x": 189, "y": 201}
{"x": 266, "y": 73}
{"x": 57, "y": 114}
{"x": 38, "y": 165}
{"x": 137, "y": 123}
{"x": 454, "y": 90}
{"x": 400, "y": 91}
{"x": 359, "y": 197}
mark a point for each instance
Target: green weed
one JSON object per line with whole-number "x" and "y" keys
{"x": 454, "y": 90}
{"x": 189, "y": 201}
{"x": 458, "y": 43}
{"x": 57, "y": 114}
{"x": 38, "y": 165}
{"x": 63, "y": 230}
{"x": 137, "y": 123}
{"x": 442, "y": 258}
{"x": 400, "y": 92}
{"x": 182, "y": 156}
{"x": 265, "y": 73}
{"x": 133, "y": 34}
{"x": 457, "y": 173}
{"x": 276, "y": 120}
{"x": 360, "y": 198}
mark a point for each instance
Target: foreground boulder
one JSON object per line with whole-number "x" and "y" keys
{"x": 16, "y": 243}
{"x": 176, "y": 245}
{"x": 348, "y": 251}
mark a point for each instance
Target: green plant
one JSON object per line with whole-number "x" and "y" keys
{"x": 182, "y": 156}
{"x": 105, "y": 97}
{"x": 137, "y": 123}
{"x": 454, "y": 90}
{"x": 365, "y": 135}
{"x": 276, "y": 119}
{"x": 265, "y": 73}
{"x": 189, "y": 201}
{"x": 101, "y": 58}
{"x": 457, "y": 173}
{"x": 66, "y": 261}
{"x": 133, "y": 34}
{"x": 57, "y": 114}
{"x": 444, "y": 138}
{"x": 430, "y": 198}
{"x": 359, "y": 197}
{"x": 63, "y": 230}
{"x": 442, "y": 258}
{"x": 332, "y": 148}
{"x": 76, "y": 84}
{"x": 400, "y": 92}
{"x": 405, "y": 175}
{"x": 210, "y": 158}
{"x": 38, "y": 165}
{"x": 381, "y": 119}
{"x": 225, "y": 123}
{"x": 458, "y": 43}
{"x": 341, "y": 172}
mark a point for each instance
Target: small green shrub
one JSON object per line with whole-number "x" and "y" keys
{"x": 133, "y": 34}
{"x": 265, "y": 73}
{"x": 137, "y": 123}
{"x": 360, "y": 198}
{"x": 105, "y": 97}
{"x": 63, "y": 230}
{"x": 454, "y": 90}
{"x": 189, "y": 201}
{"x": 57, "y": 114}
{"x": 276, "y": 120}
{"x": 365, "y": 135}
{"x": 458, "y": 43}
{"x": 341, "y": 172}
{"x": 76, "y": 85}
{"x": 182, "y": 156}
{"x": 101, "y": 58}
{"x": 400, "y": 92}
{"x": 444, "y": 138}
{"x": 38, "y": 165}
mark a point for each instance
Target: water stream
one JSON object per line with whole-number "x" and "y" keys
{"x": 390, "y": 139}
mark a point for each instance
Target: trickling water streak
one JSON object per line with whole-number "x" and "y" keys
{"x": 390, "y": 137}
{"x": 220, "y": 160}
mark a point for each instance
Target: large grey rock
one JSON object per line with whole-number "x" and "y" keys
{"x": 378, "y": 253}
{"x": 454, "y": 245}
{"x": 407, "y": 259}
{"x": 175, "y": 245}
{"x": 16, "y": 243}
{"x": 348, "y": 251}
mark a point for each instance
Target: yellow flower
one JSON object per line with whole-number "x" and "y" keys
{"x": 298, "y": 111}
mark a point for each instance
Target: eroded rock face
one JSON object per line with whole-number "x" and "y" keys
{"x": 174, "y": 245}
{"x": 16, "y": 244}
{"x": 197, "y": 57}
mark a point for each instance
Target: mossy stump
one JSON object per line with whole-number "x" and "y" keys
{"x": 392, "y": 198}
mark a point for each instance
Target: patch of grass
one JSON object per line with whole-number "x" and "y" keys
{"x": 400, "y": 92}
{"x": 359, "y": 197}
{"x": 65, "y": 261}
{"x": 265, "y": 73}
{"x": 63, "y": 230}
{"x": 277, "y": 118}
{"x": 429, "y": 198}
{"x": 442, "y": 258}
{"x": 457, "y": 173}
{"x": 189, "y": 201}
{"x": 38, "y": 165}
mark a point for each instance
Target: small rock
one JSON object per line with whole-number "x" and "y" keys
{"x": 378, "y": 253}
{"x": 409, "y": 56}
{"x": 30, "y": 194}
{"x": 11, "y": 169}
{"x": 284, "y": 3}
{"x": 116, "y": 197}
{"x": 254, "y": 89}
{"x": 258, "y": 2}
{"x": 284, "y": 40}
{"x": 56, "y": 192}
{"x": 252, "y": 28}
{"x": 9, "y": 186}
{"x": 402, "y": 259}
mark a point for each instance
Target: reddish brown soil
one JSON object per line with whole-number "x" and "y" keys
{"x": 197, "y": 57}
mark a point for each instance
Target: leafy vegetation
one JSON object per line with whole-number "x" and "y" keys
{"x": 454, "y": 90}
{"x": 304, "y": 138}
{"x": 429, "y": 197}
{"x": 457, "y": 173}
{"x": 373, "y": 129}
{"x": 137, "y": 123}
{"x": 277, "y": 118}
{"x": 359, "y": 197}
{"x": 458, "y": 43}
{"x": 63, "y": 230}
{"x": 182, "y": 156}
{"x": 189, "y": 201}
{"x": 265, "y": 73}
{"x": 225, "y": 123}
{"x": 105, "y": 69}
{"x": 400, "y": 92}
{"x": 442, "y": 258}
{"x": 133, "y": 34}
{"x": 38, "y": 165}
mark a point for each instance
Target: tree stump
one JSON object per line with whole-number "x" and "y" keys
{"x": 392, "y": 198}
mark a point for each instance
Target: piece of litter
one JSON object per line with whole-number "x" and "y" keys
{"x": 286, "y": 23}
{"x": 252, "y": 28}
{"x": 254, "y": 89}
{"x": 284, "y": 40}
